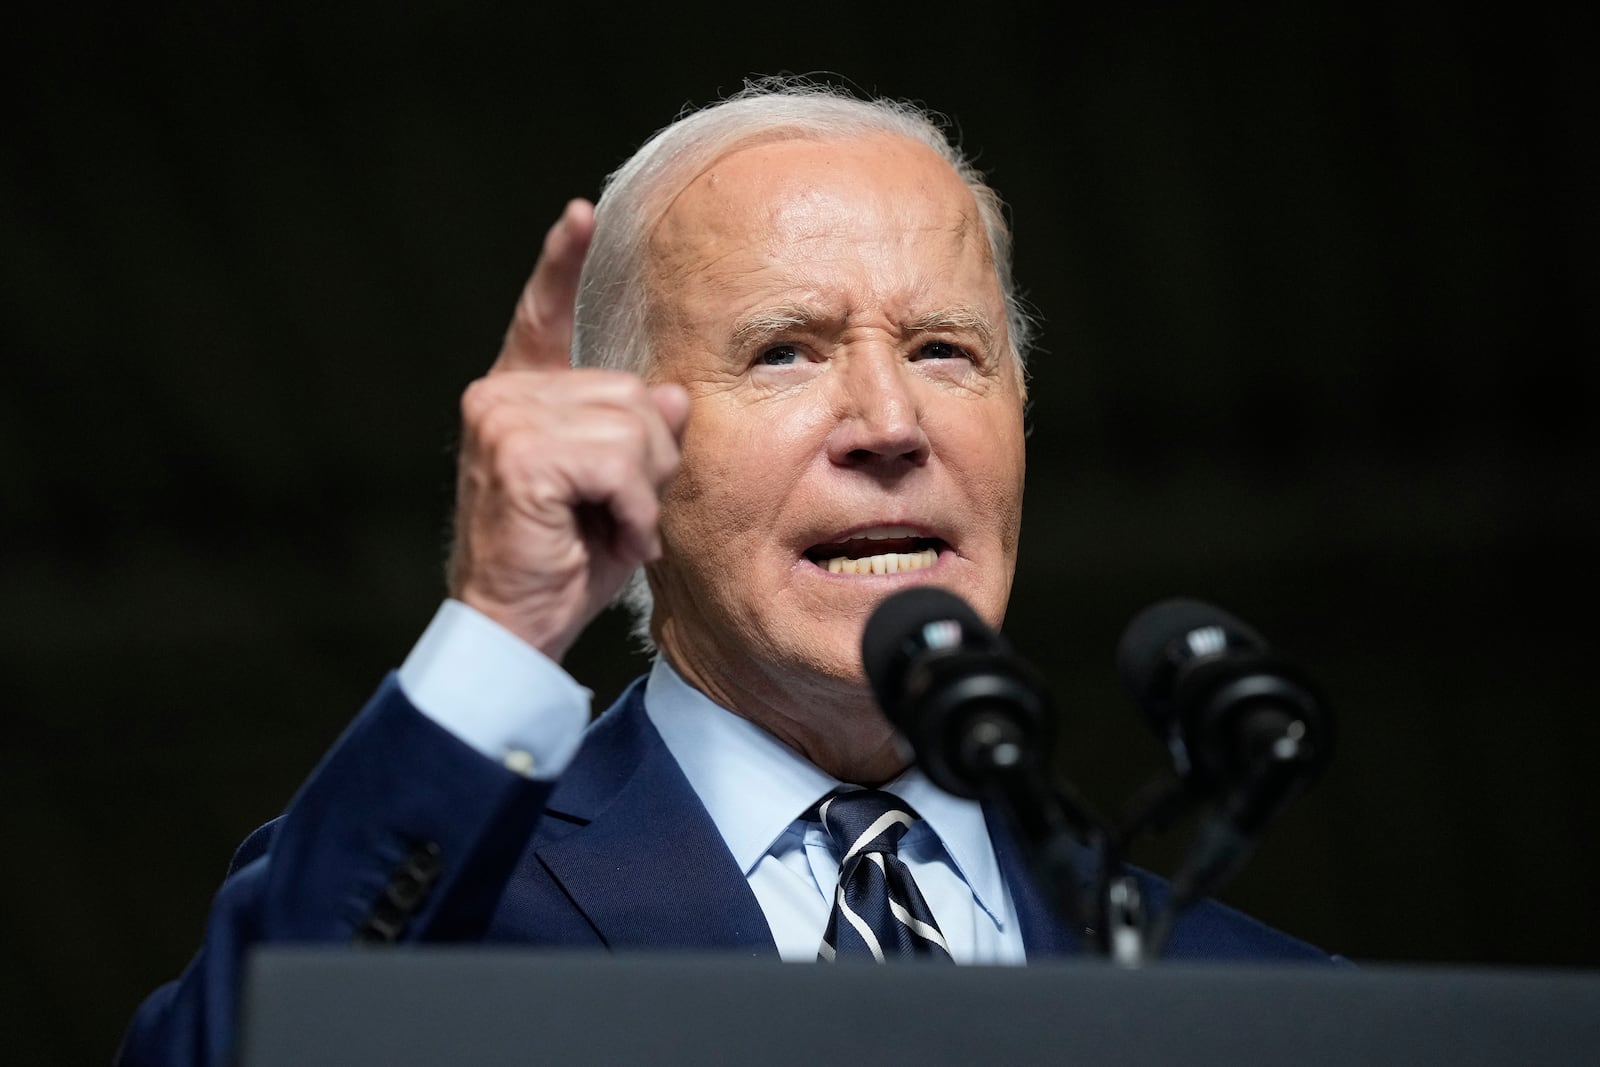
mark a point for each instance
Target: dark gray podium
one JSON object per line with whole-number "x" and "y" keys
{"x": 494, "y": 1006}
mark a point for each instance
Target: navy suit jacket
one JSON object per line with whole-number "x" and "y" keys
{"x": 618, "y": 853}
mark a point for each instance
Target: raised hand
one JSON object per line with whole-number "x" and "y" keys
{"x": 561, "y": 468}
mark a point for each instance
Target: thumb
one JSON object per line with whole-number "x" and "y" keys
{"x": 672, "y": 402}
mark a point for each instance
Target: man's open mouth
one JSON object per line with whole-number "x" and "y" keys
{"x": 882, "y": 551}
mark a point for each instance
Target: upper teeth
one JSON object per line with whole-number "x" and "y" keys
{"x": 886, "y": 563}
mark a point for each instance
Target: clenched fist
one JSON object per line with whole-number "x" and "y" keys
{"x": 561, "y": 470}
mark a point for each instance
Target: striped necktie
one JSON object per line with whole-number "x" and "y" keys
{"x": 878, "y": 912}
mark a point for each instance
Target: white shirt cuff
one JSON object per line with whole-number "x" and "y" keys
{"x": 496, "y": 692}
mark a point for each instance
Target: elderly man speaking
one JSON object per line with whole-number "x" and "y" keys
{"x": 798, "y": 387}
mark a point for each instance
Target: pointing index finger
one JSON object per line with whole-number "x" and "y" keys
{"x": 540, "y": 336}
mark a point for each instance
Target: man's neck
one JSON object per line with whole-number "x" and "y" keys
{"x": 833, "y": 723}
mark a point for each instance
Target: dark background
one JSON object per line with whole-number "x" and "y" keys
{"x": 1320, "y": 341}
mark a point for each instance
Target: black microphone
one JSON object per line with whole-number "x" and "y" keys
{"x": 1236, "y": 718}
{"x": 973, "y": 710}
{"x": 1246, "y": 729}
{"x": 981, "y": 725}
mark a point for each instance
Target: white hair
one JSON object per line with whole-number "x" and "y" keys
{"x": 611, "y": 329}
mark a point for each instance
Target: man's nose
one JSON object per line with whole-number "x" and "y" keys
{"x": 879, "y": 413}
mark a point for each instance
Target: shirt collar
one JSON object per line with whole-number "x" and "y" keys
{"x": 962, "y": 829}
{"x": 754, "y": 786}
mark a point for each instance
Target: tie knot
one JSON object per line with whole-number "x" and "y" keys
{"x": 864, "y": 820}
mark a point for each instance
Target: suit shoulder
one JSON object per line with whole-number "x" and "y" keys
{"x": 1211, "y": 930}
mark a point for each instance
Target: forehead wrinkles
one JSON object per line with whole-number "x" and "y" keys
{"x": 880, "y": 221}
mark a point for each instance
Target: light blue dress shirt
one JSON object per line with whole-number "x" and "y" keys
{"x": 515, "y": 705}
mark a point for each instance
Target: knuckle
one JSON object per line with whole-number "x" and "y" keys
{"x": 476, "y": 399}
{"x": 632, "y": 388}
{"x": 617, "y": 387}
{"x": 497, "y": 423}
{"x": 629, "y": 434}
{"x": 518, "y": 452}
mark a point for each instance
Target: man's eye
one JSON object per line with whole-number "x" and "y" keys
{"x": 941, "y": 350}
{"x": 780, "y": 356}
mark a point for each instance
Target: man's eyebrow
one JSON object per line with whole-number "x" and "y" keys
{"x": 959, "y": 319}
{"x": 771, "y": 321}
{"x": 759, "y": 325}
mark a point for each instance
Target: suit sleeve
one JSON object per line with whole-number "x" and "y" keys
{"x": 402, "y": 833}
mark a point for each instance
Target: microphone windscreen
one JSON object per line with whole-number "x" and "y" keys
{"x": 1147, "y": 655}
{"x": 908, "y": 622}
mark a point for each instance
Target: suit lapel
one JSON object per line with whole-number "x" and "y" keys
{"x": 650, "y": 869}
{"x": 1044, "y": 932}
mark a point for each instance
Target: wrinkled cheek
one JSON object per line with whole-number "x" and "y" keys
{"x": 1014, "y": 521}
{"x": 704, "y": 526}
{"x": 1013, "y": 482}
{"x": 719, "y": 495}
{"x": 999, "y": 494}
{"x": 700, "y": 512}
